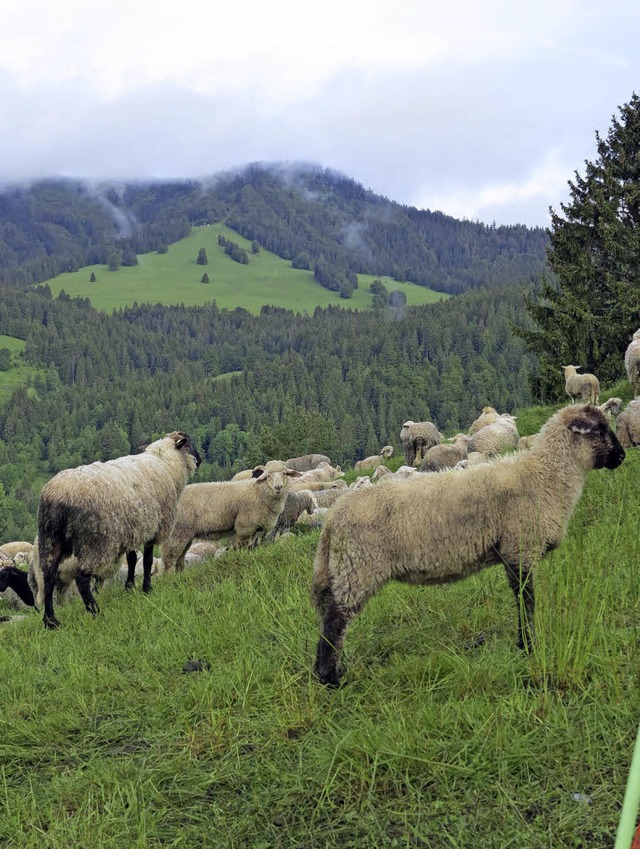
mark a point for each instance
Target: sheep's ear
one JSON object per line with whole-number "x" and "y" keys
{"x": 584, "y": 424}
{"x": 179, "y": 437}
{"x": 259, "y": 473}
{"x": 292, "y": 473}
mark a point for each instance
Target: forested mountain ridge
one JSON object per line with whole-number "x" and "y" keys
{"x": 313, "y": 217}
{"x": 247, "y": 387}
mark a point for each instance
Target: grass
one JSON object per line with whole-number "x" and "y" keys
{"x": 18, "y": 373}
{"x": 175, "y": 277}
{"x": 443, "y": 736}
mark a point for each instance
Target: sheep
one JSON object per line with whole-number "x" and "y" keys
{"x": 246, "y": 510}
{"x": 628, "y": 425}
{"x": 100, "y": 511}
{"x": 526, "y": 442}
{"x": 295, "y": 504}
{"x": 10, "y": 549}
{"x": 361, "y": 482}
{"x": 371, "y": 463}
{"x": 612, "y": 408}
{"x": 400, "y": 474}
{"x": 327, "y": 497}
{"x": 473, "y": 458}
{"x": 307, "y": 462}
{"x": 445, "y": 455}
{"x": 632, "y": 363}
{"x": 510, "y": 511}
{"x": 581, "y": 387}
{"x": 416, "y": 438}
{"x": 495, "y": 438}
{"x": 322, "y": 472}
{"x": 380, "y": 472}
{"x": 486, "y": 417}
{"x": 318, "y": 486}
{"x": 14, "y": 579}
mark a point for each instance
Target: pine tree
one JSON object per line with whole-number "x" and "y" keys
{"x": 587, "y": 314}
{"x": 202, "y": 257}
{"x": 92, "y": 277}
{"x": 204, "y": 278}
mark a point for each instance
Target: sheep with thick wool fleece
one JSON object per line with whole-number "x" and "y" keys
{"x": 632, "y": 363}
{"x": 295, "y": 504}
{"x": 307, "y": 462}
{"x": 581, "y": 387}
{"x": 628, "y": 425}
{"x": 446, "y": 454}
{"x": 371, "y": 463}
{"x": 444, "y": 527}
{"x": 10, "y": 549}
{"x": 416, "y": 438}
{"x": 486, "y": 417}
{"x": 101, "y": 511}
{"x": 246, "y": 510}
{"x": 324, "y": 472}
{"x": 501, "y": 435}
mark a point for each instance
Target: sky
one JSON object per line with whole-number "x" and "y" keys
{"x": 483, "y": 110}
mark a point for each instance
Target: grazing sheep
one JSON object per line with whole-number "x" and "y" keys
{"x": 416, "y": 438}
{"x": 318, "y": 486}
{"x": 100, "y": 511}
{"x": 445, "y": 455}
{"x": 495, "y": 438}
{"x": 295, "y": 504}
{"x": 247, "y": 510}
{"x": 612, "y": 408}
{"x": 362, "y": 482}
{"x": 473, "y": 458}
{"x": 486, "y": 417}
{"x": 327, "y": 497}
{"x": 10, "y": 549}
{"x": 307, "y": 462}
{"x": 371, "y": 463}
{"x": 526, "y": 442}
{"x": 581, "y": 387}
{"x": 323, "y": 472}
{"x": 15, "y": 580}
{"x": 380, "y": 472}
{"x": 510, "y": 511}
{"x": 632, "y": 363}
{"x": 628, "y": 425}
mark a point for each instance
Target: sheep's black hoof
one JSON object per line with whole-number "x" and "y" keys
{"x": 129, "y": 585}
{"x": 50, "y": 622}
{"x": 147, "y": 590}
{"x": 329, "y": 677}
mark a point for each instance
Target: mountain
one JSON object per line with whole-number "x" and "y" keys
{"x": 313, "y": 217}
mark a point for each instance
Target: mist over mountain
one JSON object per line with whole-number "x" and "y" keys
{"x": 314, "y": 217}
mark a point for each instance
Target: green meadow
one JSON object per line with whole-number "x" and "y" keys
{"x": 18, "y": 373}
{"x": 175, "y": 277}
{"x": 443, "y": 734}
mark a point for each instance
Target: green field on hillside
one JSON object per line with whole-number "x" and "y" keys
{"x": 18, "y": 373}
{"x": 175, "y": 277}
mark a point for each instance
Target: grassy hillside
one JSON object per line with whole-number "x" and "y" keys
{"x": 444, "y": 735}
{"x": 18, "y": 373}
{"x": 175, "y": 277}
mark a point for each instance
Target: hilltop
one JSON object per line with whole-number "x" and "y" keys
{"x": 312, "y": 218}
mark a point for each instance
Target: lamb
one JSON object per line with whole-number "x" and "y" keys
{"x": 15, "y": 579}
{"x": 416, "y": 438}
{"x": 510, "y": 511}
{"x": 581, "y": 387}
{"x": 486, "y": 417}
{"x": 628, "y": 425}
{"x": 632, "y": 363}
{"x": 246, "y": 510}
{"x": 445, "y": 455}
{"x": 307, "y": 462}
{"x": 295, "y": 504}
{"x": 100, "y": 511}
{"x": 371, "y": 463}
{"x": 495, "y": 438}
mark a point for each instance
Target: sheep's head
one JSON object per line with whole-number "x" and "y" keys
{"x": 276, "y": 476}
{"x": 185, "y": 444}
{"x": 594, "y": 440}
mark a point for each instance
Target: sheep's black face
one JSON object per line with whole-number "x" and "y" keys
{"x": 591, "y": 424}
{"x": 615, "y": 453}
{"x": 184, "y": 441}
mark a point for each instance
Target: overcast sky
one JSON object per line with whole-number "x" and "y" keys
{"x": 483, "y": 110}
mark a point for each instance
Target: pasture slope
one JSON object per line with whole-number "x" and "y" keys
{"x": 175, "y": 277}
{"x": 443, "y": 735}
{"x": 17, "y": 373}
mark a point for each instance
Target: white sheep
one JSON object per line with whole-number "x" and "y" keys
{"x": 101, "y": 511}
{"x": 581, "y": 387}
{"x": 632, "y": 363}
{"x": 416, "y": 438}
{"x": 10, "y": 549}
{"x": 509, "y": 511}
{"x": 473, "y": 458}
{"x": 628, "y": 425}
{"x": 380, "y": 472}
{"x": 245, "y": 510}
{"x": 327, "y": 497}
{"x": 318, "y": 486}
{"x": 526, "y": 442}
{"x": 295, "y": 504}
{"x": 446, "y": 455}
{"x": 501, "y": 435}
{"x": 307, "y": 462}
{"x": 323, "y": 472}
{"x": 361, "y": 482}
{"x": 370, "y": 463}
{"x": 612, "y": 408}
{"x": 486, "y": 417}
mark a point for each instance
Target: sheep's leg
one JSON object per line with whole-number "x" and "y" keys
{"x": 49, "y": 575}
{"x": 521, "y": 582}
{"x": 83, "y": 582}
{"x": 147, "y": 563}
{"x": 132, "y": 560}
{"x": 334, "y": 625}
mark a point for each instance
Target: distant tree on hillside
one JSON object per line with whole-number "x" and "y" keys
{"x": 5, "y": 359}
{"x": 202, "y": 257}
{"x": 92, "y": 277}
{"x": 255, "y": 247}
{"x": 587, "y": 314}
{"x": 162, "y": 248}
{"x": 114, "y": 260}
{"x": 204, "y": 278}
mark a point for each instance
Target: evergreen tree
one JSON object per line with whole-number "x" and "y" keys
{"x": 92, "y": 277}
{"x": 204, "y": 278}
{"x": 588, "y": 312}
{"x": 202, "y": 257}
{"x": 114, "y": 260}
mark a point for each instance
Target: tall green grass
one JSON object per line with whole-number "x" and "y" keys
{"x": 175, "y": 277}
{"x": 443, "y": 735}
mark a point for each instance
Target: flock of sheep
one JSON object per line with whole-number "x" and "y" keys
{"x": 404, "y": 525}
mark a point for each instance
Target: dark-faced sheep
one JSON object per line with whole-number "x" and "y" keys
{"x": 416, "y": 438}
{"x": 101, "y": 511}
{"x": 444, "y": 527}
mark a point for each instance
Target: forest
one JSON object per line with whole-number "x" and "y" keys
{"x": 247, "y": 387}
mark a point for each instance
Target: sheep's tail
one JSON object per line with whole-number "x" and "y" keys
{"x": 321, "y": 585}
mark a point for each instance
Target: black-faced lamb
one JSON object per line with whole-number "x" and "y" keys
{"x": 581, "y": 387}
{"x": 101, "y": 511}
{"x": 247, "y": 511}
{"x": 416, "y": 438}
{"x": 444, "y": 527}
{"x": 15, "y": 579}
{"x": 632, "y": 363}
